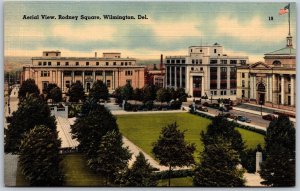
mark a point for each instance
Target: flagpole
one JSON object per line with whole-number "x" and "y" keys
{"x": 289, "y": 19}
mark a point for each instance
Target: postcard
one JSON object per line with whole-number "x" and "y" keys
{"x": 149, "y": 94}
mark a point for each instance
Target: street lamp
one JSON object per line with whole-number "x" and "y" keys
{"x": 261, "y": 103}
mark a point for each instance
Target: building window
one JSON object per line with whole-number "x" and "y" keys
{"x": 115, "y": 63}
{"x": 243, "y": 83}
{"x": 193, "y": 61}
{"x": 68, "y": 85}
{"x": 200, "y": 50}
{"x": 67, "y": 63}
{"x": 183, "y": 61}
{"x": 97, "y": 63}
{"x": 129, "y": 63}
{"x": 233, "y": 61}
{"x": 276, "y": 63}
{"x": 125, "y": 63}
{"x": 106, "y": 63}
{"x": 223, "y": 61}
{"x": 45, "y": 73}
{"x": 56, "y": 54}
{"x": 128, "y": 73}
{"x": 192, "y": 68}
{"x": 173, "y": 61}
{"x": 201, "y": 69}
{"x": 200, "y": 61}
{"x": 46, "y": 54}
{"x": 87, "y": 63}
{"x": 44, "y": 63}
{"x": 45, "y": 84}
{"x": 40, "y": 63}
{"x": 243, "y": 75}
{"x": 191, "y": 50}
{"x": 243, "y": 62}
{"x": 215, "y": 50}
{"x": 168, "y": 61}
{"x": 289, "y": 88}
{"x": 58, "y": 63}
{"x": 213, "y": 61}
{"x": 213, "y": 77}
{"x": 108, "y": 83}
{"x": 177, "y": 61}
{"x": 122, "y": 63}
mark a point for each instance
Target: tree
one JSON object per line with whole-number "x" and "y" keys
{"x": 99, "y": 90}
{"x": 171, "y": 149}
{"x": 31, "y": 111}
{"x": 173, "y": 93}
{"x": 48, "y": 89}
{"x": 90, "y": 129}
{"x": 39, "y": 157}
{"x": 140, "y": 174}
{"x": 28, "y": 87}
{"x": 218, "y": 167}
{"x": 163, "y": 95}
{"x": 127, "y": 91}
{"x": 138, "y": 94}
{"x": 112, "y": 157}
{"x": 278, "y": 169}
{"x": 76, "y": 92}
{"x": 149, "y": 93}
{"x": 56, "y": 94}
{"x": 118, "y": 95}
{"x": 181, "y": 95}
{"x": 220, "y": 126}
{"x": 89, "y": 105}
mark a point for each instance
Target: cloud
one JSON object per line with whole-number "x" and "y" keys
{"x": 172, "y": 30}
{"x": 24, "y": 31}
{"x": 253, "y": 30}
{"x": 84, "y": 32}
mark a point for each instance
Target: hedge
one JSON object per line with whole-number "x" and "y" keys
{"x": 174, "y": 174}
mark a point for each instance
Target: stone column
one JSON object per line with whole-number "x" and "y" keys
{"x": 254, "y": 86}
{"x": 228, "y": 78}
{"x": 292, "y": 90}
{"x": 251, "y": 87}
{"x": 175, "y": 80}
{"x": 170, "y": 70}
{"x": 72, "y": 73}
{"x": 268, "y": 89}
{"x": 191, "y": 85}
{"x": 180, "y": 76}
{"x": 218, "y": 78}
{"x": 202, "y": 86}
{"x": 208, "y": 78}
{"x": 282, "y": 89}
{"x": 113, "y": 80}
{"x": 62, "y": 81}
{"x": 83, "y": 80}
{"x": 274, "y": 88}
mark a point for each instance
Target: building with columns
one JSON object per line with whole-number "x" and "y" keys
{"x": 271, "y": 82}
{"x": 206, "y": 70}
{"x": 111, "y": 68}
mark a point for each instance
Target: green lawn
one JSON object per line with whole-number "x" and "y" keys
{"x": 76, "y": 172}
{"x": 144, "y": 129}
{"x": 185, "y": 181}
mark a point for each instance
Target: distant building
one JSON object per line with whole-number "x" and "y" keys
{"x": 271, "y": 83}
{"x": 155, "y": 75}
{"x": 111, "y": 68}
{"x": 205, "y": 71}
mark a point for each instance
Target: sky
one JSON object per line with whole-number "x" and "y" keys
{"x": 244, "y": 29}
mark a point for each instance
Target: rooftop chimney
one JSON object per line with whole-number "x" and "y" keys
{"x": 95, "y": 54}
{"x": 161, "y": 62}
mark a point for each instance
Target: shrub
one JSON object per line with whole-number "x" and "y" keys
{"x": 149, "y": 105}
{"x": 176, "y": 104}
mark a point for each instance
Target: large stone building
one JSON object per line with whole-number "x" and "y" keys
{"x": 206, "y": 70}
{"x": 112, "y": 69}
{"x": 271, "y": 82}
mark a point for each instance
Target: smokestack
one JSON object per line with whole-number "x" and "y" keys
{"x": 95, "y": 54}
{"x": 161, "y": 62}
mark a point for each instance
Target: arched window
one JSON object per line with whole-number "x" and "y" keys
{"x": 276, "y": 63}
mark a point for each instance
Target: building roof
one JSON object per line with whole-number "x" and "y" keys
{"x": 284, "y": 51}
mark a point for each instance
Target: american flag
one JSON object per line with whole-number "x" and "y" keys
{"x": 284, "y": 10}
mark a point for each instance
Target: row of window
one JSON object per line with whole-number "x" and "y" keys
{"x": 177, "y": 61}
{"x": 86, "y": 63}
{"x": 45, "y": 73}
{"x": 223, "y": 92}
{"x": 128, "y": 73}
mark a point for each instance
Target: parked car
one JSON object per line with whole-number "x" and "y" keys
{"x": 201, "y": 108}
{"x": 228, "y": 107}
{"x": 243, "y": 119}
{"x": 269, "y": 117}
{"x": 230, "y": 115}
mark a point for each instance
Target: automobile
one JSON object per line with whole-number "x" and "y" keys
{"x": 243, "y": 119}
{"x": 269, "y": 117}
{"x": 228, "y": 107}
{"x": 230, "y": 115}
{"x": 201, "y": 108}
